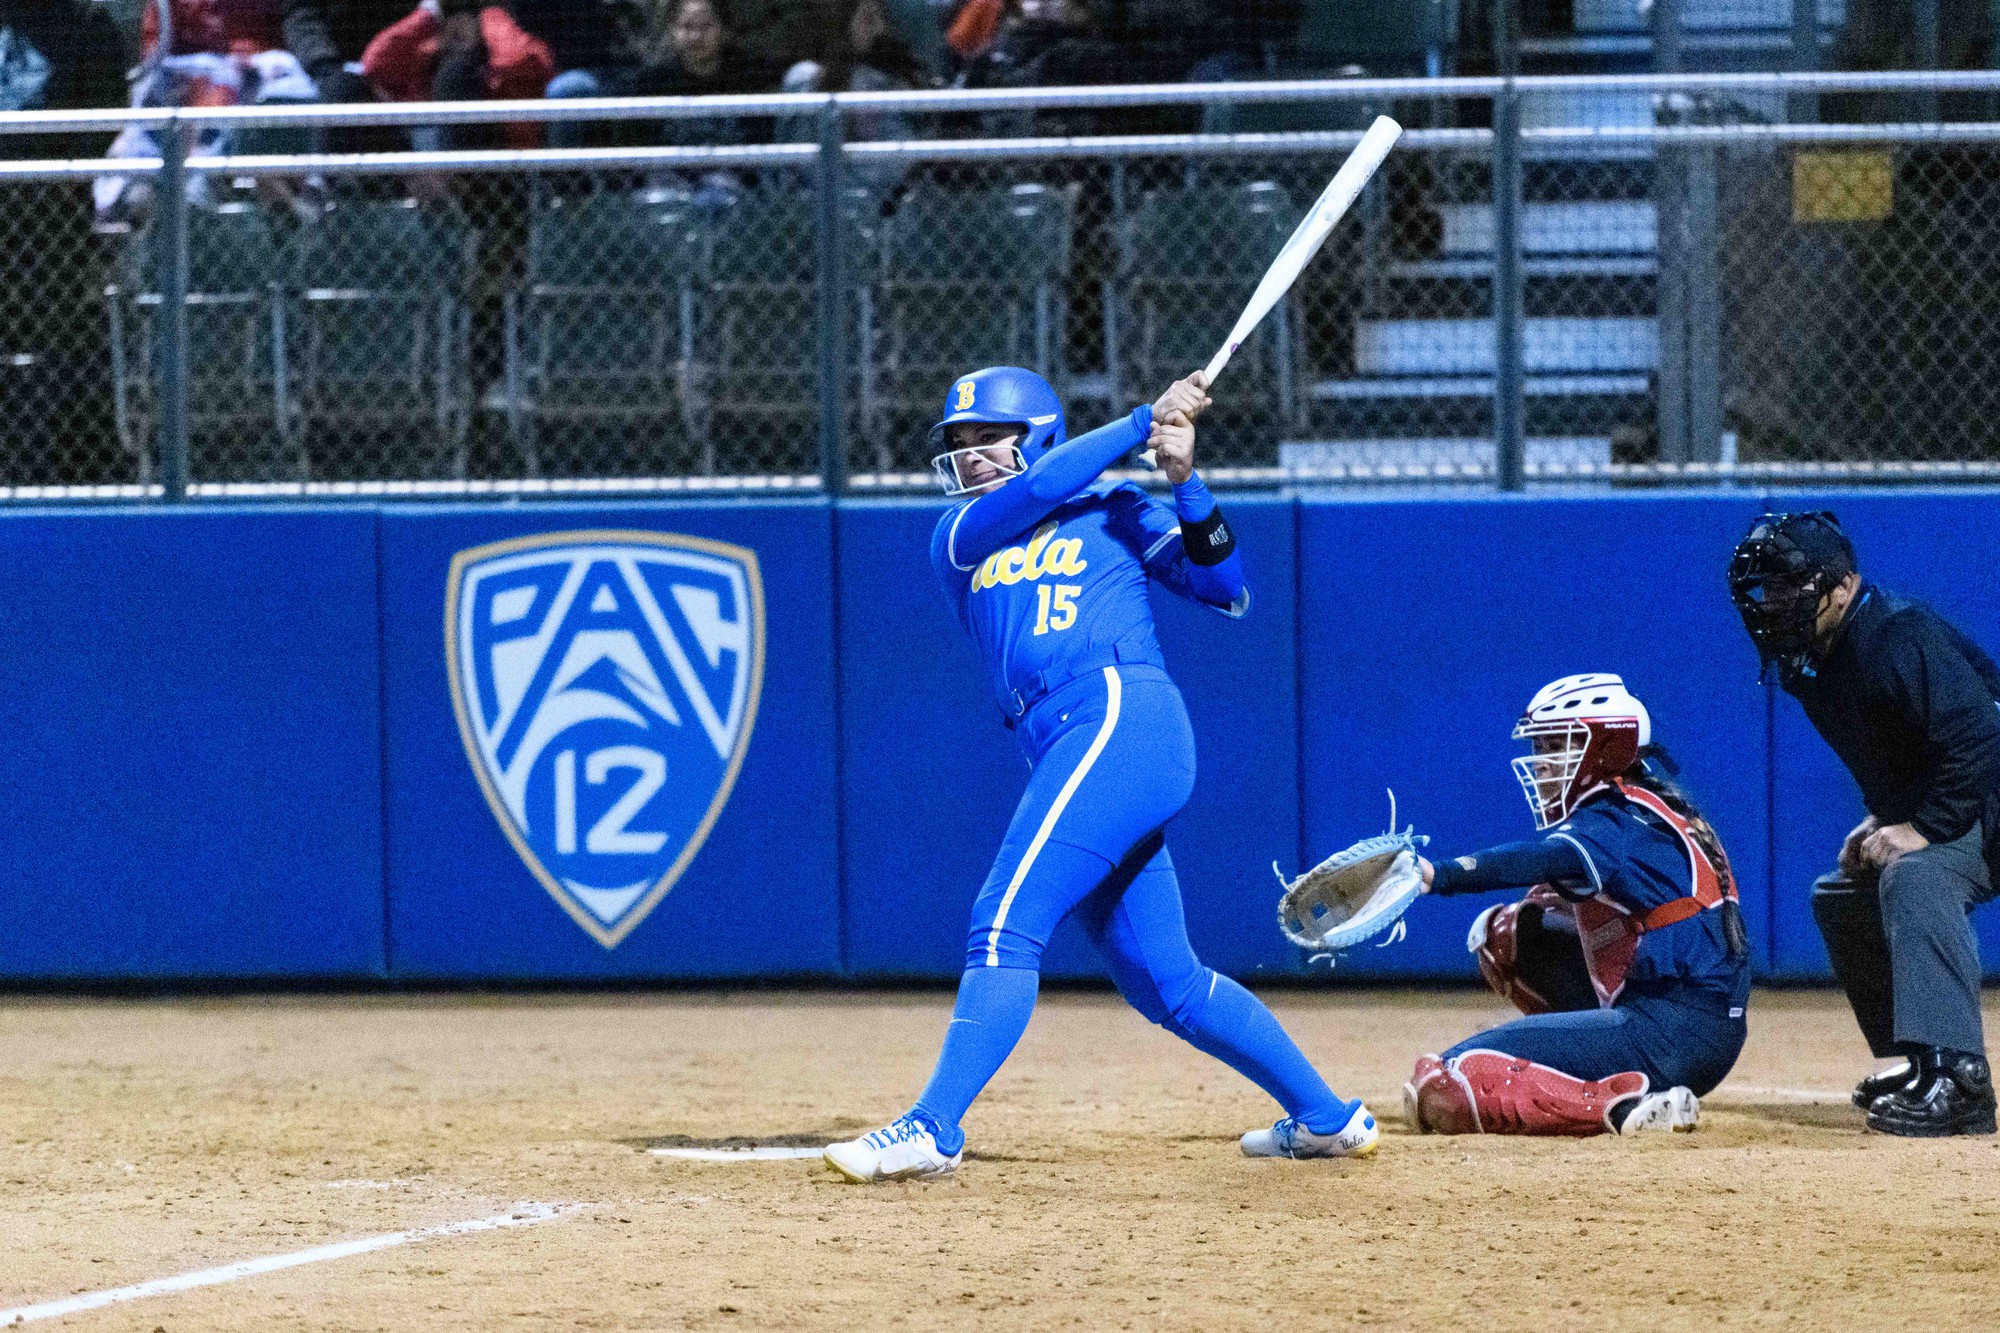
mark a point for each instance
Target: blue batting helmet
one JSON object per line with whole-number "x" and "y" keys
{"x": 1004, "y": 394}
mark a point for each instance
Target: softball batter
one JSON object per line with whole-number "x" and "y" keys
{"x": 1046, "y": 567}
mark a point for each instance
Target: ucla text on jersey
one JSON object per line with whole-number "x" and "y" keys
{"x": 1041, "y": 556}
{"x": 605, "y": 684}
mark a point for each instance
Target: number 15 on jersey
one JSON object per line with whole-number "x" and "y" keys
{"x": 1057, "y": 612}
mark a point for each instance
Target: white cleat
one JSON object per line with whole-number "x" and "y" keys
{"x": 1288, "y": 1138}
{"x": 1675, "y": 1111}
{"x": 905, "y": 1150}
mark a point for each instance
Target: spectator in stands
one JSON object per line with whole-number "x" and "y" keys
{"x": 58, "y": 55}
{"x": 24, "y": 73}
{"x": 675, "y": 48}
{"x": 691, "y": 50}
{"x": 1046, "y": 44}
{"x": 686, "y": 48}
{"x": 329, "y": 36}
{"x": 863, "y": 54}
{"x": 591, "y": 41}
{"x": 459, "y": 51}
{"x": 204, "y": 53}
{"x": 974, "y": 28}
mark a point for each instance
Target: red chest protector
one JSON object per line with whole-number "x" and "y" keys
{"x": 1610, "y": 932}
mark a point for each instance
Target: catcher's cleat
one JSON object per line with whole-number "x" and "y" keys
{"x": 1893, "y": 1079}
{"x": 1675, "y": 1111}
{"x": 1288, "y": 1138}
{"x": 905, "y": 1150}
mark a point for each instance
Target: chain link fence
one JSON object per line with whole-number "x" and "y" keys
{"x": 1701, "y": 295}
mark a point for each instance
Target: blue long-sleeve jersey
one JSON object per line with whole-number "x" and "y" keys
{"x": 1048, "y": 571}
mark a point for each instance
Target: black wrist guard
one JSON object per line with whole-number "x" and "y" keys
{"x": 1208, "y": 542}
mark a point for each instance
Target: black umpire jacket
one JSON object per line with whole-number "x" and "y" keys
{"x": 1912, "y": 707}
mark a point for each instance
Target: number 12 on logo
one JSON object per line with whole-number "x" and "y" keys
{"x": 1064, "y": 607}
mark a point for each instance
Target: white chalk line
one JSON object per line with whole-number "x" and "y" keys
{"x": 1784, "y": 1094}
{"x": 738, "y": 1154}
{"x": 525, "y": 1215}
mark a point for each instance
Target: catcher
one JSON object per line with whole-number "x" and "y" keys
{"x": 1628, "y": 956}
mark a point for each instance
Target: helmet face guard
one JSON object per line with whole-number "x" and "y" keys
{"x": 998, "y": 395}
{"x": 1557, "y": 778}
{"x": 1584, "y": 731}
{"x": 954, "y": 467}
{"x": 1779, "y": 576}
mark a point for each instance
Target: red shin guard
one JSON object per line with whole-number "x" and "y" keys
{"x": 1486, "y": 1092}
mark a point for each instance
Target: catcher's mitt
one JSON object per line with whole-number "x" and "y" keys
{"x": 1353, "y": 894}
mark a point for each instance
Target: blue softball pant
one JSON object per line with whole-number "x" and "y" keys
{"x": 1674, "y": 1043}
{"x": 1113, "y": 761}
{"x": 1112, "y": 758}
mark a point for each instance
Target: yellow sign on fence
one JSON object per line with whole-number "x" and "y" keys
{"x": 1853, "y": 185}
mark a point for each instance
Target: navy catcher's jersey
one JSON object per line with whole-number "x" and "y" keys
{"x": 1635, "y": 860}
{"x": 1069, "y": 594}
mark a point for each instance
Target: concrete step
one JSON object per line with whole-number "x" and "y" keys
{"x": 1585, "y": 227}
{"x": 1701, "y": 15}
{"x": 1431, "y": 347}
{"x": 1439, "y": 457}
{"x": 1470, "y": 388}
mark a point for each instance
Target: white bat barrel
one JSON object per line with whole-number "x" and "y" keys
{"x": 1311, "y": 234}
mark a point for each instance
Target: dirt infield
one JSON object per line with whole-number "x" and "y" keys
{"x": 1103, "y": 1187}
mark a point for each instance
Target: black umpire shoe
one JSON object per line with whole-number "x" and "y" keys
{"x": 1893, "y": 1079}
{"x": 1952, "y": 1093}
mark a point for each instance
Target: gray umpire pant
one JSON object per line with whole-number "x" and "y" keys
{"x": 1902, "y": 946}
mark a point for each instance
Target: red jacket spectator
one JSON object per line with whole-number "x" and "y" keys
{"x": 976, "y": 28}
{"x": 402, "y": 62}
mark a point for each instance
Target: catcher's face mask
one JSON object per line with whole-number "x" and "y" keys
{"x": 1548, "y": 771}
{"x": 1582, "y": 731}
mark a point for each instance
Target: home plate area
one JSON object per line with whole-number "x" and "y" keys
{"x": 649, "y": 1162}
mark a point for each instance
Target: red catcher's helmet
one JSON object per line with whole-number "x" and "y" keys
{"x": 1584, "y": 731}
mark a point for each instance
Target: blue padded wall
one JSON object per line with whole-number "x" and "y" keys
{"x": 235, "y": 754}
{"x": 761, "y": 897}
{"x": 191, "y": 775}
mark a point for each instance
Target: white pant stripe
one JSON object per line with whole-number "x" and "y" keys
{"x": 1113, "y": 690}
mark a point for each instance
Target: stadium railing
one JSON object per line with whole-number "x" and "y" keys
{"x": 1702, "y": 284}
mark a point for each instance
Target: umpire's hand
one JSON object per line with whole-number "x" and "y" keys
{"x": 1890, "y": 841}
{"x": 1852, "y": 866}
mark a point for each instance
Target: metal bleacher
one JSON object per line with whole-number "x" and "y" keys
{"x": 1423, "y": 345}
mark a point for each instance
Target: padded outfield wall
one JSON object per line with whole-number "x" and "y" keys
{"x": 524, "y": 743}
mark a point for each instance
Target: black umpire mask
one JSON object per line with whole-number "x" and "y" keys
{"x": 1781, "y": 572}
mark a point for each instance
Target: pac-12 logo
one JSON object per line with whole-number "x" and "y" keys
{"x": 605, "y": 685}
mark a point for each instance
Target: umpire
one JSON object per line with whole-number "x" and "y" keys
{"x": 1912, "y": 707}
